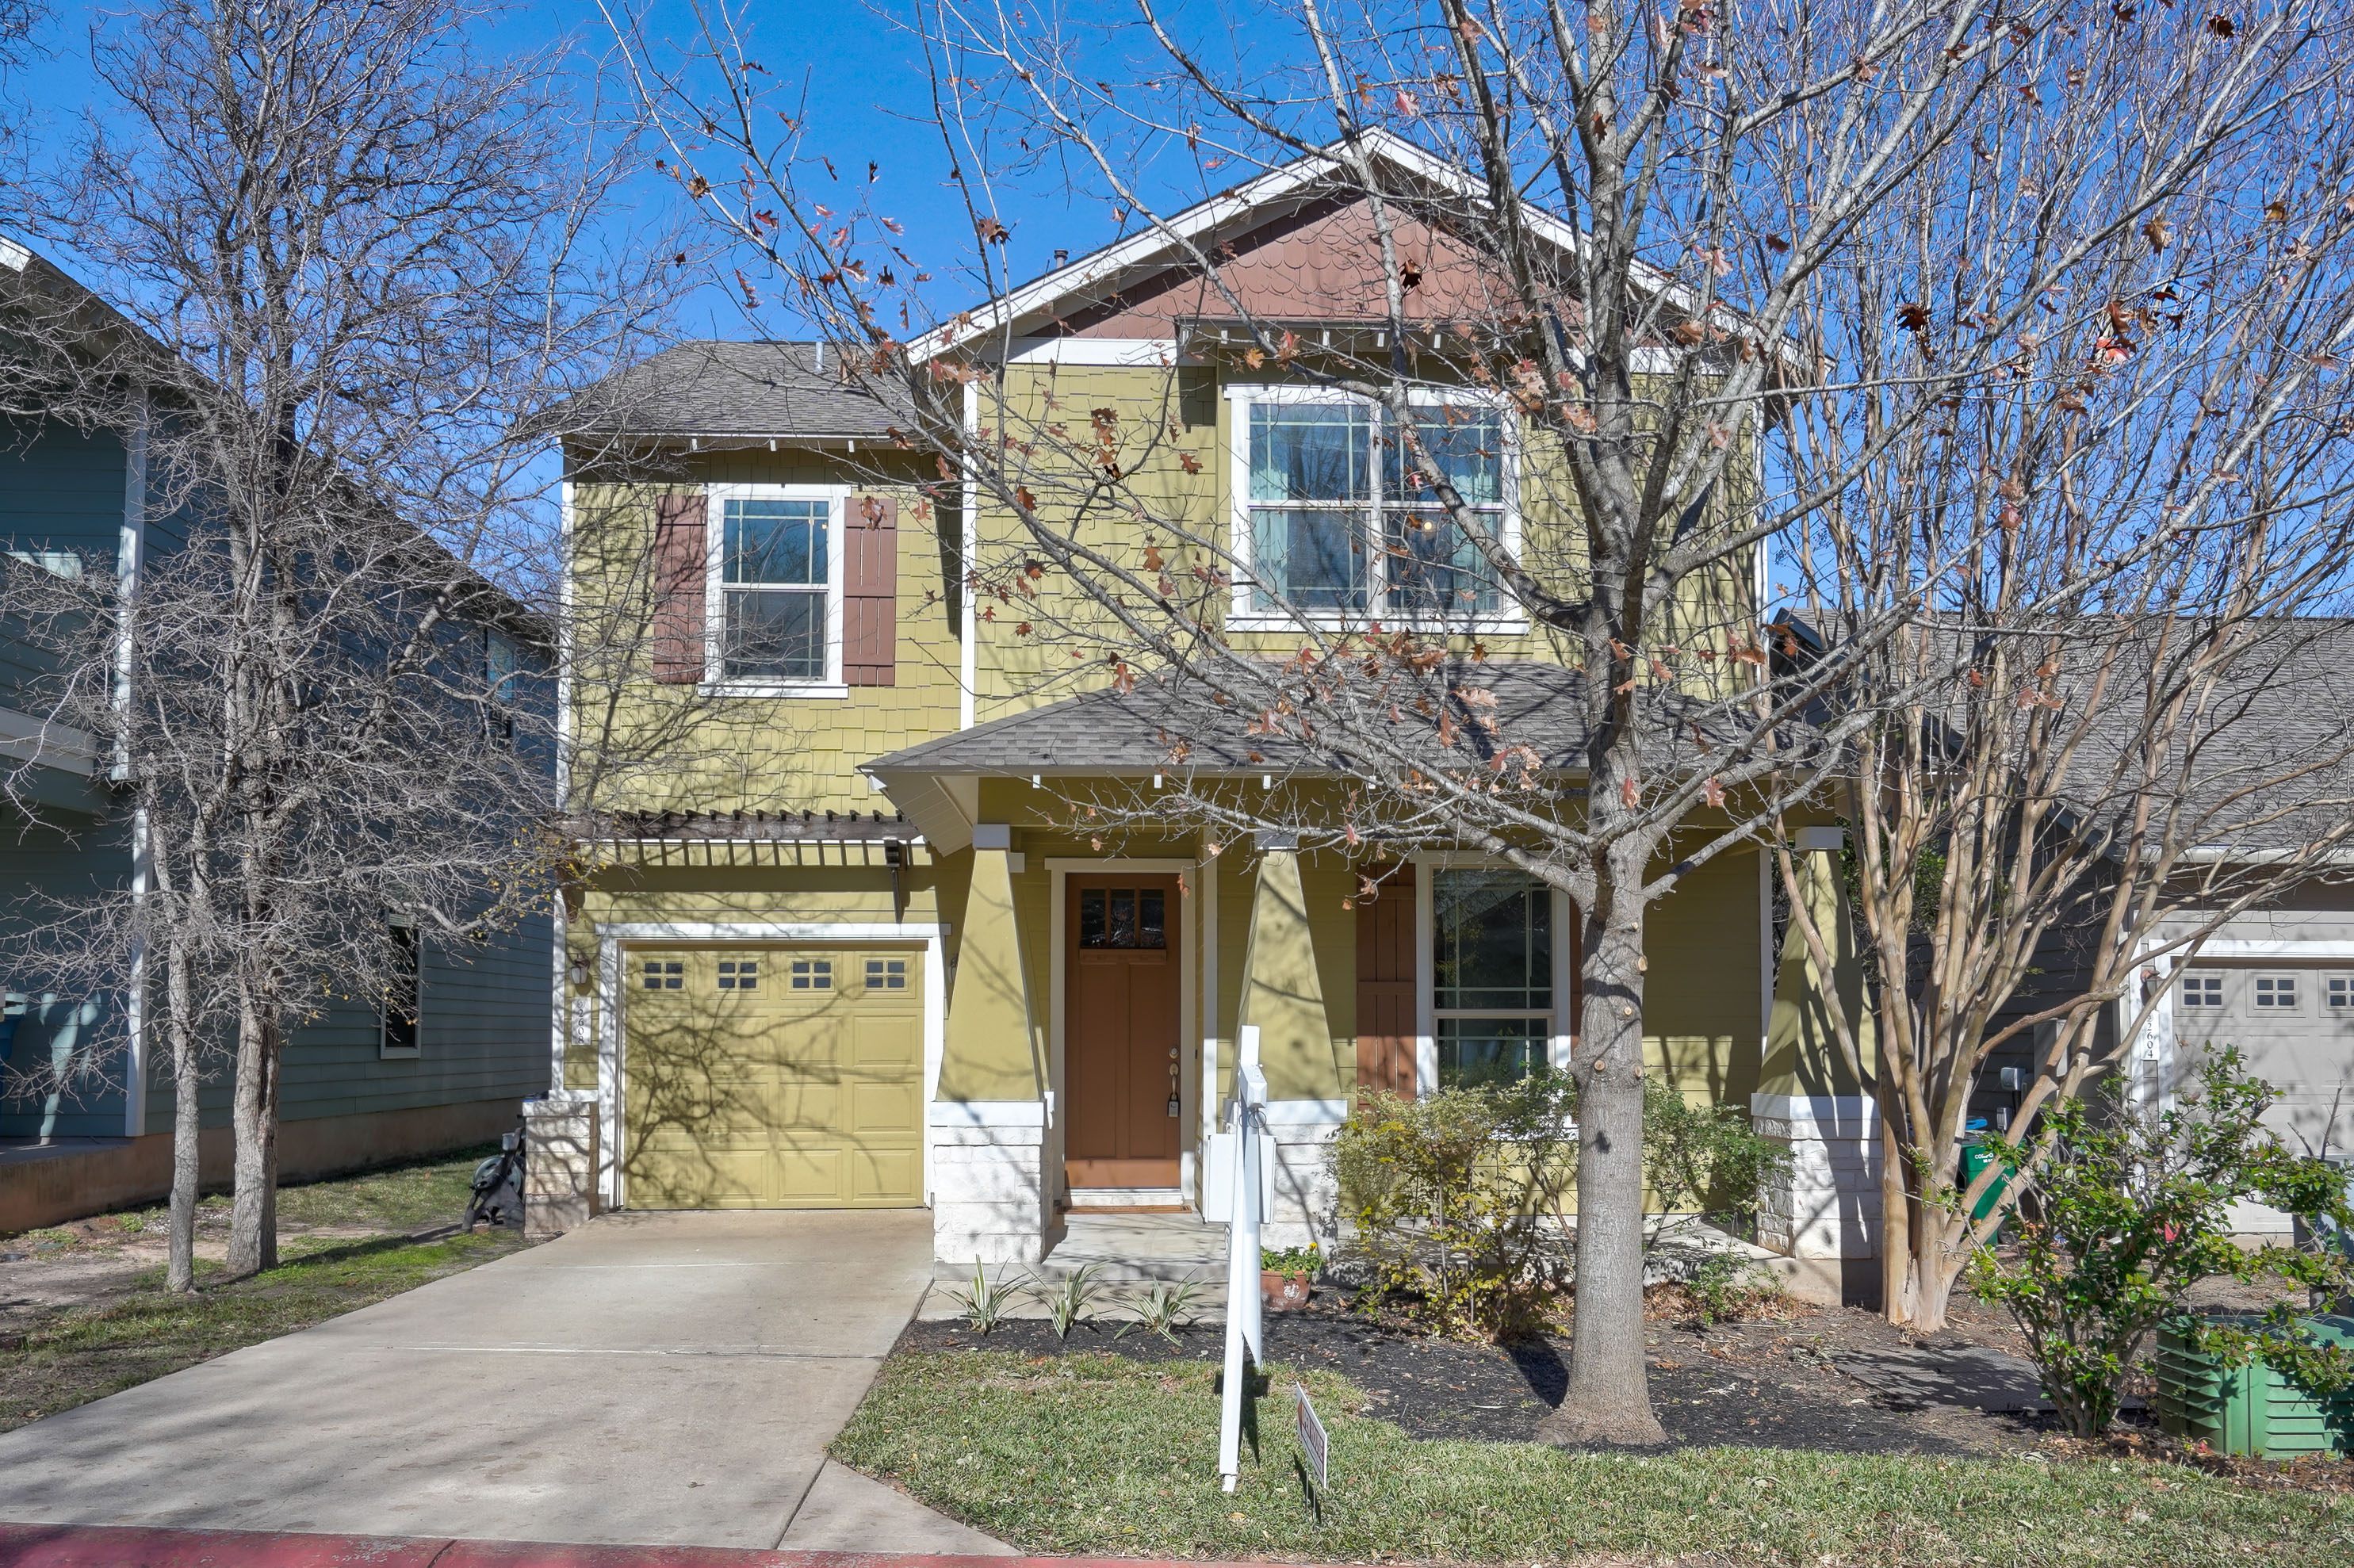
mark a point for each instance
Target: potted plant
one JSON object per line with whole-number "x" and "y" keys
{"x": 1284, "y": 1273}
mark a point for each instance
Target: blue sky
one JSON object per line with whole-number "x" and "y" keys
{"x": 860, "y": 70}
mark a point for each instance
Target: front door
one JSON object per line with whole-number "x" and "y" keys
{"x": 1121, "y": 1031}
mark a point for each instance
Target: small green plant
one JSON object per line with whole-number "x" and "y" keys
{"x": 1705, "y": 1160}
{"x": 1067, "y": 1297}
{"x": 1164, "y": 1308}
{"x": 987, "y": 1302}
{"x": 2127, "y": 1210}
{"x": 1457, "y": 1198}
{"x": 1726, "y": 1285}
{"x": 1303, "y": 1261}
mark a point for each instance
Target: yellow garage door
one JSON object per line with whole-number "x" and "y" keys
{"x": 773, "y": 1078}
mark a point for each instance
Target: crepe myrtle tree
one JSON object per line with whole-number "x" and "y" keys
{"x": 1577, "y": 321}
{"x": 352, "y": 283}
{"x": 2133, "y": 532}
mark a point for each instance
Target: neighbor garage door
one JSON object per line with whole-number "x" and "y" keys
{"x": 773, "y": 1078}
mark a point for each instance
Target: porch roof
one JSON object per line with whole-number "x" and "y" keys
{"x": 1106, "y": 732}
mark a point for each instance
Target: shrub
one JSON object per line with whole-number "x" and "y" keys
{"x": 2129, "y": 1210}
{"x": 1457, "y": 1199}
{"x": 1706, "y": 1159}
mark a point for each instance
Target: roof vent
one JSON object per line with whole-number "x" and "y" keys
{"x": 1062, "y": 258}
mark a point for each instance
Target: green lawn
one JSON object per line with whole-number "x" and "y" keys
{"x": 77, "y": 1355}
{"x": 1094, "y": 1453}
{"x": 87, "y": 1354}
{"x": 405, "y": 1197}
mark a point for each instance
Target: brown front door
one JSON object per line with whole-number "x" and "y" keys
{"x": 1121, "y": 1031}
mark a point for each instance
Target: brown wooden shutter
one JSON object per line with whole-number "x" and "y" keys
{"x": 870, "y": 592}
{"x": 1385, "y": 1012}
{"x": 682, "y": 562}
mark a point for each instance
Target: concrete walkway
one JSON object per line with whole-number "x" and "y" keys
{"x": 650, "y": 1380}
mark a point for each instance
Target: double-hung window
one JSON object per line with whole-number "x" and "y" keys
{"x": 1492, "y": 975}
{"x": 1338, "y": 520}
{"x": 776, "y": 566}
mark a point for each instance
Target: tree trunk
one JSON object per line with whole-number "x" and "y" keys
{"x": 187, "y": 1126}
{"x": 1898, "y": 1233}
{"x": 253, "y": 1218}
{"x": 1608, "y": 1398}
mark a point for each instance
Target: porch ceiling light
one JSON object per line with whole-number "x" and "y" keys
{"x": 1156, "y": 782}
{"x": 1266, "y": 781}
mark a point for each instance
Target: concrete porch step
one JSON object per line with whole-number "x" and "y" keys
{"x": 1130, "y": 1253}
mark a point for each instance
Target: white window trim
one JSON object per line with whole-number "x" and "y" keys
{"x": 1242, "y": 617}
{"x": 1426, "y": 980}
{"x": 715, "y": 602}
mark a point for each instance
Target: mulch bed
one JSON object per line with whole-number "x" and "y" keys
{"x": 1761, "y": 1385}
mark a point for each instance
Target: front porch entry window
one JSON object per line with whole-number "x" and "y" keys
{"x": 775, "y": 578}
{"x": 1492, "y": 973}
{"x": 1340, "y": 525}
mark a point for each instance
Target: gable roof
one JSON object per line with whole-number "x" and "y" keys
{"x": 1300, "y": 179}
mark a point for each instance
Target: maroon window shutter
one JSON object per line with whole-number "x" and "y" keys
{"x": 870, "y": 592}
{"x": 681, "y": 560}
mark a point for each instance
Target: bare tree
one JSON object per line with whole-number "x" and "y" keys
{"x": 1588, "y": 247}
{"x": 2129, "y": 536}
{"x": 358, "y": 275}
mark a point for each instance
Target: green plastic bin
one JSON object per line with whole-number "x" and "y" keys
{"x": 2252, "y": 1409}
{"x": 1976, "y": 1157}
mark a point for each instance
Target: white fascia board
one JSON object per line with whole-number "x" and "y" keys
{"x": 1124, "y": 352}
{"x": 30, "y": 739}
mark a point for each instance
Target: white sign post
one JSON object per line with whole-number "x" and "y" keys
{"x": 1245, "y": 1116}
{"x": 1311, "y": 1439}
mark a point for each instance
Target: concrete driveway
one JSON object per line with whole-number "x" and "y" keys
{"x": 649, "y": 1380}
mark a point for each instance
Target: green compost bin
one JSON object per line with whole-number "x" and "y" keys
{"x": 2253, "y": 1409}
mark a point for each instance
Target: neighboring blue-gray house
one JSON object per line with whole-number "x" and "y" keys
{"x": 360, "y": 1088}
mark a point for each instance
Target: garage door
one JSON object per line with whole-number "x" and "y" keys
{"x": 773, "y": 1078}
{"x": 2295, "y": 1028}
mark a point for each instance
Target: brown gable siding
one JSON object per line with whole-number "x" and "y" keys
{"x": 1321, "y": 263}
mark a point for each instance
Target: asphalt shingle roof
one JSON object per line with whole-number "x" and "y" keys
{"x": 1540, "y": 705}
{"x": 717, "y": 388}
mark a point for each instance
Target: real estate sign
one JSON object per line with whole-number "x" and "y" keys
{"x": 1311, "y": 1437}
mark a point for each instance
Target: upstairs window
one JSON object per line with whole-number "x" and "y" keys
{"x": 1338, "y": 522}
{"x": 775, "y": 585}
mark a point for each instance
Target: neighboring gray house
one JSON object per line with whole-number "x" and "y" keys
{"x": 360, "y": 1088}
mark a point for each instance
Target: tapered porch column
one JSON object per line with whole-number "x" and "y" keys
{"x": 991, "y": 1199}
{"x": 1829, "y": 1206}
{"x": 1307, "y": 1081}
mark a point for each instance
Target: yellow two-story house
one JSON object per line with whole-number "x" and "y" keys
{"x": 836, "y": 941}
